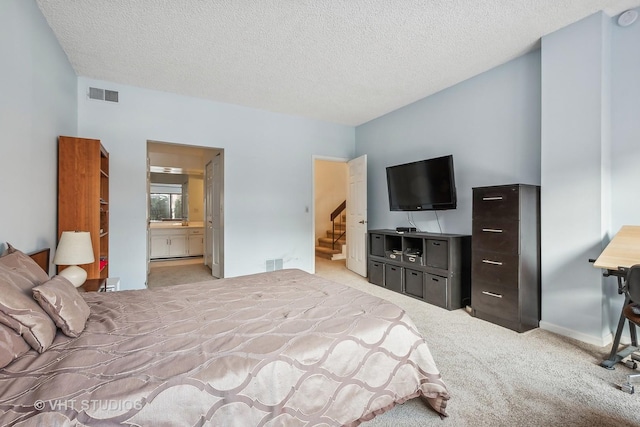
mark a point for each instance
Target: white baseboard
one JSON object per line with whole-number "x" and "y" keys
{"x": 589, "y": 339}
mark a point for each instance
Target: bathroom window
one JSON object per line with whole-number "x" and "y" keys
{"x": 166, "y": 202}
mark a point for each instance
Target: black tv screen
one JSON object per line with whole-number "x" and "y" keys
{"x": 424, "y": 185}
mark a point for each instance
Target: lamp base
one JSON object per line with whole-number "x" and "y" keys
{"x": 76, "y": 275}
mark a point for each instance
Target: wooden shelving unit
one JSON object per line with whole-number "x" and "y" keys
{"x": 83, "y": 196}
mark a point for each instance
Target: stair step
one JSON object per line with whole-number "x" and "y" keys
{"x": 326, "y": 252}
{"x": 337, "y": 233}
{"x": 327, "y": 242}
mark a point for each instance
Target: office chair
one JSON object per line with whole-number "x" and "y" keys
{"x": 632, "y": 312}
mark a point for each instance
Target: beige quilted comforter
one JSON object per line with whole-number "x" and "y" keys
{"x": 273, "y": 349}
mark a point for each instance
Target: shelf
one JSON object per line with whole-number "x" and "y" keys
{"x": 83, "y": 178}
{"x": 431, "y": 267}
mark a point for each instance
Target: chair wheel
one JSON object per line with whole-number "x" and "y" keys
{"x": 627, "y": 388}
{"x": 631, "y": 364}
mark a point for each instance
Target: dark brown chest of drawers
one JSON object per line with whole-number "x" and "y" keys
{"x": 505, "y": 266}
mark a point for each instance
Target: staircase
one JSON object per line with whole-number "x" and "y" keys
{"x": 324, "y": 248}
{"x": 333, "y": 246}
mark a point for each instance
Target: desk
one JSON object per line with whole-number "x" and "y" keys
{"x": 622, "y": 251}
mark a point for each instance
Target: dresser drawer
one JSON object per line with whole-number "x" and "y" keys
{"x": 495, "y": 267}
{"x": 496, "y": 202}
{"x": 496, "y": 300}
{"x": 495, "y": 235}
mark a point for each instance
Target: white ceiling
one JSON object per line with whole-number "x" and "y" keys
{"x": 343, "y": 61}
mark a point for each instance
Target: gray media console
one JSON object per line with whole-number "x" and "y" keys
{"x": 432, "y": 267}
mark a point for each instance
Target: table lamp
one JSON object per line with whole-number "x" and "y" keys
{"x": 74, "y": 249}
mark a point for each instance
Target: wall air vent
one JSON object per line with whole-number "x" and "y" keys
{"x": 111, "y": 95}
{"x": 95, "y": 93}
{"x": 103, "y": 94}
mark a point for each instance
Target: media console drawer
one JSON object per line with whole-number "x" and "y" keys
{"x": 376, "y": 244}
{"x": 436, "y": 290}
{"x": 437, "y": 253}
{"x": 414, "y": 283}
{"x": 376, "y": 273}
{"x": 393, "y": 277}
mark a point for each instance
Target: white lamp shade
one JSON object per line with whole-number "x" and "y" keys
{"x": 74, "y": 248}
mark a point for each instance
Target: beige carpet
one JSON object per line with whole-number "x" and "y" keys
{"x": 177, "y": 272}
{"x": 497, "y": 377}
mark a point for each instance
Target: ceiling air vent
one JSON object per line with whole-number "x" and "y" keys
{"x": 103, "y": 94}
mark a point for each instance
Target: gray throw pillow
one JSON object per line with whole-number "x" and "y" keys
{"x": 63, "y": 303}
{"x": 22, "y": 314}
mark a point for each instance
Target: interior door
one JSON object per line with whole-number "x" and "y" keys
{"x": 148, "y": 217}
{"x": 217, "y": 227}
{"x": 213, "y": 207}
{"x": 208, "y": 214}
{"x": 357, "y": 216}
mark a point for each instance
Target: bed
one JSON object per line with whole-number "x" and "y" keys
{"x": 284, "y": 348}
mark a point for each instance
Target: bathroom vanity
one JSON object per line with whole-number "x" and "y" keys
{"x": 174, "y": 240}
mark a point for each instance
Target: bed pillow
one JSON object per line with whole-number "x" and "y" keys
{"x": 10, "y": 249}
{"x": 63, "y": 303}
{"x": 22, "y": 314}
{"x": 18, "y": 268}
{"x": 12, "y": 345}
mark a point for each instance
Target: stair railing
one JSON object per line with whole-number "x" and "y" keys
{"x": 337, "y": 213}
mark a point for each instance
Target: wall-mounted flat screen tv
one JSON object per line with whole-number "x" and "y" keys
{"x": 423, "y": 185}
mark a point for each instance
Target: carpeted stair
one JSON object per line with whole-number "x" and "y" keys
{"x": 324, "y": 249}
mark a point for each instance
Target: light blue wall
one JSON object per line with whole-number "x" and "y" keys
{"x": 491, "y": 125}
{"x": 625, "y": 132}
{"x": 625, "y": 119}
{"x": 566, "y": 118}
{"x": 576, "y": 185}
{"x": 268, "y": 181}
{"x": 37, "y": 103}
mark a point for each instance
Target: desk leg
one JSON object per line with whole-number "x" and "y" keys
{"x": 615, "y": 356}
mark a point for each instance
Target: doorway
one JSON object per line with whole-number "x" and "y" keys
{"x": 340, "y": 211}
{"x": 180, "y": 191}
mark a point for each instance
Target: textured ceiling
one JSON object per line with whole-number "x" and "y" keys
{"x": 343, "y": 61}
